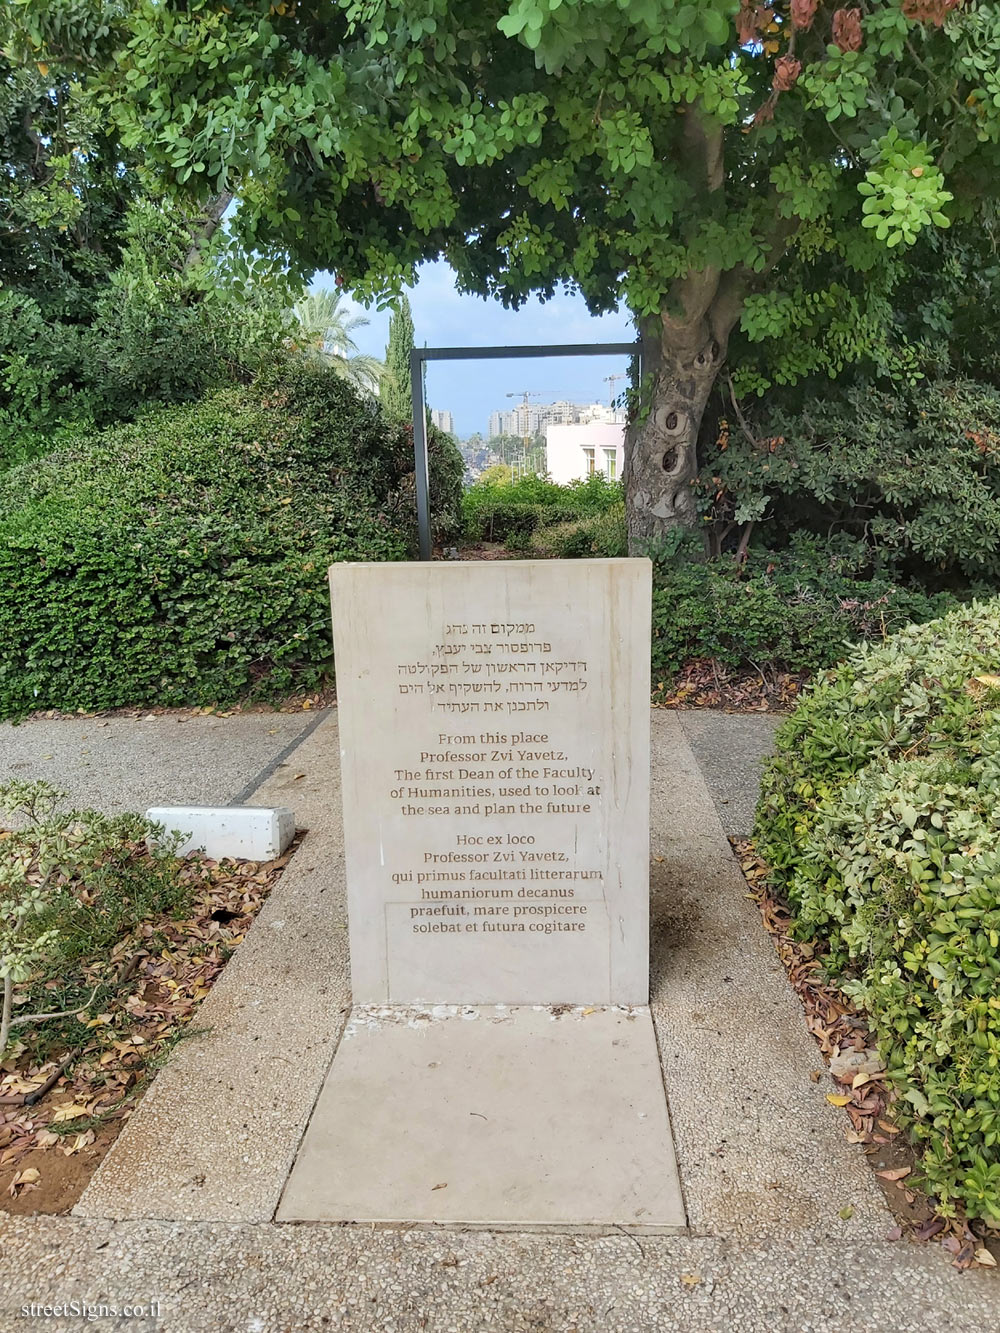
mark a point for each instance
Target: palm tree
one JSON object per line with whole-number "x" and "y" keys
{"x": 323, "y": 332}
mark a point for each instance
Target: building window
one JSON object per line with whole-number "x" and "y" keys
{"x": 590, "y": 456}
{"x": 611, "y": 464}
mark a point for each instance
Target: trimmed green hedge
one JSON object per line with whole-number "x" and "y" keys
{"x": 182, "y": 559}
{"x": 880, "y": 818}
{"x": 594, "y": 536}
{"x": 514, "y": 511}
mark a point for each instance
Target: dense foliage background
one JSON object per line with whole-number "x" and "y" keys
{"x": 847, "y": 477}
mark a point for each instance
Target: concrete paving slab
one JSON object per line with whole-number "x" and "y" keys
{"x": 760, "y": 1150}
{"x": 216, "y": 1133}
{"x": 123, "y": 763}
{"x": 730, "y": 749}
{"x": 491, "y": 1117}
{"x": 313, "y": 1278}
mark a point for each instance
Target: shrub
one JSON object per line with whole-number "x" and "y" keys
{"x": 182, "y": 559}
{"x": 880, "y": 817}
{"x": 71, "y": 883}
{"x": 596, "y": 536}
{"x": 446, "y": 470}
{"x": 798, "y": 609}
{"x": 500, "y": 510}
{"x": 914, "y": 472}
{"x": 154, "y": 329}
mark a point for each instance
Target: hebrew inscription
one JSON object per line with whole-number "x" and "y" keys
{"x": 495, "y": 779}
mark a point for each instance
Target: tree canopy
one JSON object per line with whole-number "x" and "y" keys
{"x": 323, "y": 331}
{"x": 65, "y": 188}
{"x": 711, "y": 164}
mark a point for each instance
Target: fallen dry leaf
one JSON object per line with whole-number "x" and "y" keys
{"x": 26, "y": 1177}
{"x": 896, "y": 1174}
{"x": 167, "y": 965}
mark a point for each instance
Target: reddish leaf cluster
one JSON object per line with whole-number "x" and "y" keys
{"x": 986, "y": 441}
{"x": 751, "y": 21}
{"x": 847, "y": 29}
{"x": 802, "y": 13}
{"x": 929, "y": 11}
{"x": 786, "y": 73}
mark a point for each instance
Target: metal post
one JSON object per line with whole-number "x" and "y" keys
{"x": 418, "y": 356}
{"x": 421, "y": 471}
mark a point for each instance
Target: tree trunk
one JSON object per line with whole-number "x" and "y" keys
{"x": 682, "y": 355}
{"x": 206, "y": 225}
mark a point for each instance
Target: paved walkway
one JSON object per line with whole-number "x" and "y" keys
{"x": 181, "y": 1209}
{"x": 121, "y": 763}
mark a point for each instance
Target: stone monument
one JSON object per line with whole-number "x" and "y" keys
{"x": 499, "y": 1067}
{"x": 494, "y": 730}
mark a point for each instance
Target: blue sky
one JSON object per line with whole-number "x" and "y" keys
{"x": 471, "y": 390}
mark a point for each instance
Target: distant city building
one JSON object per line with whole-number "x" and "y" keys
{"x": 503, "y": 423}
{"x": 576, "y": 450}
{"x": 601, "y": 412}
{"x": 534, "y": 418}
{"x": 443, "y": 420}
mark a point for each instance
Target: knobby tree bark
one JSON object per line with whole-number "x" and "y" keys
{"x": 682, "y": 354}
{"x": 683, "y": 349}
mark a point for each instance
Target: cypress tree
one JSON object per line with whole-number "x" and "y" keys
{"x": 395, "y": 384}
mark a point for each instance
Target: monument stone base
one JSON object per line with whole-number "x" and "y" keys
{"x": 524, "y": 1117}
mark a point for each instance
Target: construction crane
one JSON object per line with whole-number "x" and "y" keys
{"x": 524, "y": 395}
{"x": 610, "y": 379}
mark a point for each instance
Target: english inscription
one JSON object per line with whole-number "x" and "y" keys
{"x": 495, "y": 780}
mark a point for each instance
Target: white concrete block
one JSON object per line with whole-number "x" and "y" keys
{"x": 251, "y": 832}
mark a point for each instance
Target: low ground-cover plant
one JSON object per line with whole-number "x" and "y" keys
{"x": 880, "y": 819}
{"x": 182, "y": 559}
{"x": 107, "y": 948}
{"x": 797, "y": 609}
{"x": 71, "y": 883}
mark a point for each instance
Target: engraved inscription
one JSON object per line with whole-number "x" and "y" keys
{"x": 489, "y": 719}
{"x": 484, "y": 774}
